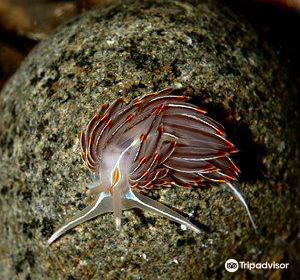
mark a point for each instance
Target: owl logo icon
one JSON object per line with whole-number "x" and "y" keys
{"x": 231, "y": 265}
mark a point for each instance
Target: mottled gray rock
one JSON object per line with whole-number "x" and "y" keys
{"x": 130, "y": 49}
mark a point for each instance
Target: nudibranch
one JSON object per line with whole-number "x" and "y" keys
{"x": 155, "y": 140}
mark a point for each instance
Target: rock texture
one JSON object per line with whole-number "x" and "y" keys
{"x": 127, "y": 50}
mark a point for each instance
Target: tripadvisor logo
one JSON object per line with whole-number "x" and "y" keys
{"x": 232, "y": 265}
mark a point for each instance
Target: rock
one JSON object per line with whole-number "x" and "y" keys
{"x": 127, "y": 50}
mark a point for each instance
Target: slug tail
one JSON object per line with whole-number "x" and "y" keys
{"x": 117, "y": 207}
{"x": 239, "y": 196}
{"x": 133, "y": 199}
{"x": 103, "y": 204}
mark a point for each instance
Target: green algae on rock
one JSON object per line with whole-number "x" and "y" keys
{"x": 128, "y": 50}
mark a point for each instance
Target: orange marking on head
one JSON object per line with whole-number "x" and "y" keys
{"x": 90, "y": 141}
{"x": 174, "y": 144}
{"x": 116, "y": 176}
{"x": 86, "y": 152}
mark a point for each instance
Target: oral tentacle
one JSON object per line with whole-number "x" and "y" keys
{"x": 133, "y": 199}
{"x": 117, "y": 206}
{"x": 102, "y": 205}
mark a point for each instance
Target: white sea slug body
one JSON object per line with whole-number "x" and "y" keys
{"x": 156, "y": 140}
